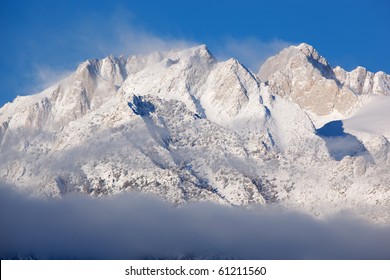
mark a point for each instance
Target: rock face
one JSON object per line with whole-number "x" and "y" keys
{"x": 187, "y": 127}
{"x": 363, "y": 82}
{"x": 304, "y": 77}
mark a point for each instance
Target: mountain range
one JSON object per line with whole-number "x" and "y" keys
{"x": 188, "y": 127}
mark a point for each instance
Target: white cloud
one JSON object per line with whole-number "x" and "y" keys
{"x": 251, "y": 51}
{"x": 122, "y": 35}
{"x": 46, "y": 76}
{"x": 131, "y": 41}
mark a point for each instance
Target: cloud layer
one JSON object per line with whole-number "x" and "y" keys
{"x": 134, "y": 226}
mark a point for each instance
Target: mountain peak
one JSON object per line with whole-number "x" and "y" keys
{"x": 202, "y": 48}
{"x": 306, "y": 49}
{"x": 300, "y": 74}
{"x": 292, "y": 57}
{"x": 200, "y": 51}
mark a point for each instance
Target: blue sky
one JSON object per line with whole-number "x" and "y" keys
{"x": 42, "y": 40}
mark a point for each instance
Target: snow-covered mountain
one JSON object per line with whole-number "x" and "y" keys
{"x": 187, "y": 127}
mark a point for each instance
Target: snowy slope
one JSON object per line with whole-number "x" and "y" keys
{"x": 187, "y": 127}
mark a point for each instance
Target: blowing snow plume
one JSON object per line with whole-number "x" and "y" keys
{"x": 134, "y": 226}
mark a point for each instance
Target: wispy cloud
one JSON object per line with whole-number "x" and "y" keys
{"x": 121, "y": 35}
{"x": 134, "y": 226}
{"x": 46, "y": 76}
{"x": 251, "y": 51}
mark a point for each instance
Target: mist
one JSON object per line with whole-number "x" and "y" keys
{"x": 251, "y": 51}
{"x": 137, "y": 226}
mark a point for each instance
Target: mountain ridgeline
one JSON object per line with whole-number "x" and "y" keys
{"x": 187, "y": 127}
